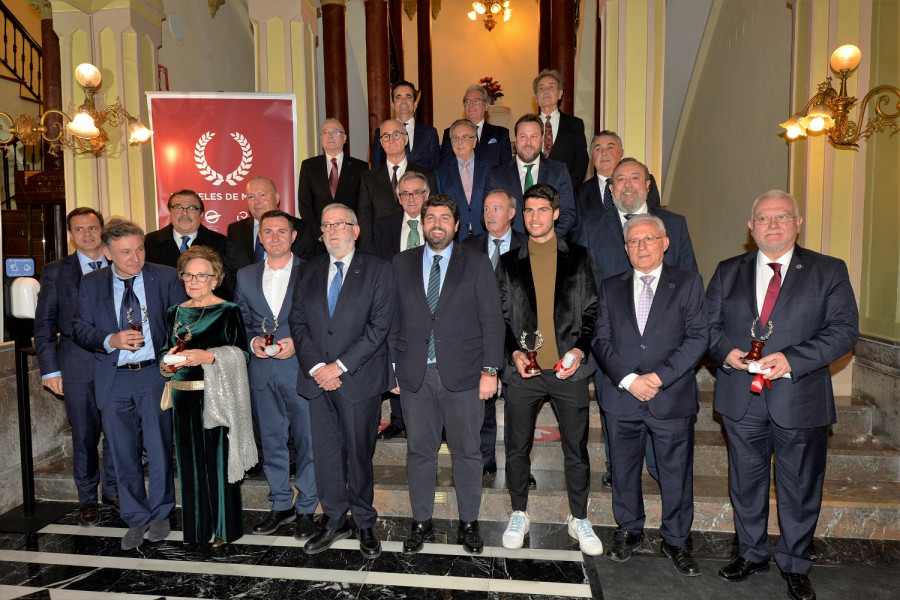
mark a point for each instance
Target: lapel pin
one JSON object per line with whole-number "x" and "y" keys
{"x": 356, "y": 272}
{"x": 798, "y": 267}
{"x": 671, "y": 286}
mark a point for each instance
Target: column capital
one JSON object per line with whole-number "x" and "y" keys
{"x": 342, "y": 3}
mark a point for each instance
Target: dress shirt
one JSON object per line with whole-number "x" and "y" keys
{"x": 141, "y": 354}
{"x": 602, "y": 181}
{"x": 504, "y": 244}
{"x": 637, "y": 286}
{"x": 470, "y": 167}
{"x": 275, "y": 284}
{"x": 332, "y": 273}
{"x": 523, "y": 171}
{"x": 401, "y": 169}
{"x": 479, "y": 127}
{"x": 764, "y": 274}
{"x": 404, "y": 231}
{"x": 329, "y": 166}
{"x": 411, "y": 133}
{"x": 177, "y": 237}
{"x": 84, "y": 261}
{"x": 554, "y": 123}
{"x": 428, "y": 259}
{"x": 642, "y": 210}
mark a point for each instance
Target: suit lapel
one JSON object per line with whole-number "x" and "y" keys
{"x": 562, "y": 272}
{"x": 664, "y": 290}
{"x": 524, "y": 264}
{"x": 796, "y": 272}
{"x": 352, "y": 275}
{"x": 747, "y": 276}
{"x": 453, "y": 271}
{"x": 627, "y": 300}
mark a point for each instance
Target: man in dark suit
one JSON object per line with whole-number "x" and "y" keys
{"x": 548, "y": 286}
{"x": 185, "y": 229}
{"x": 563, "y": 139}
{"x": 242, "y": 244}
{"x": 421, "y": 145}
{"x": 443, "y": 384}
{"x": 492, "y": 147}
{"x": 63, "y": 362}
{"x": 330, "y": 177}
{"x": 805, "y": 301}
{"x": 378, "y": 186}
{"x": 340, "y": 318}
{"x": 127, "y": 381}
{"x": 263, "y": 292}
{"x": 462, "y": 178}
{"x": 528, "y": 168}
{"x": 651, "y": 331}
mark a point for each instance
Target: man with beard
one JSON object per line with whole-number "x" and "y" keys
{"x": 443, "y": 383}
{"x": 185, "y": 229}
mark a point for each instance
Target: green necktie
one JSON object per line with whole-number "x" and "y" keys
{"x": 412, "y": 240}
{"x": 529, "y": 180}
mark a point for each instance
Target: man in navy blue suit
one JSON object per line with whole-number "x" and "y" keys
{"x": 492, "y": 145}
{"x": 421, "y": 143}
{"x": 63, "y": 362}
{"x": 127, "y": 381}
{"x": 530, "y": 167}
{"x": 651, "y": 331}
{"x": 462, "y": 177}
{"x": 804, "y": 300}
{"x": 563, "y": 138}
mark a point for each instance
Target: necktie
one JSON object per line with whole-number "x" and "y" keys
{"x": 529, "y": 180}
{"x": 409, "y": 138}
{"x": 477, "y": 133}
{"x": 607, "y": 195}
{"x": 335, "y": 289}
{"x": 645, "y": 300}
{"x": 629, "y": 215}
{"x": 184, "y": 243}
{"x": 771, "y": 294}
{"x": 333, "y": 178}
{"x": 434, "y": 292}
{"x": 259, "y": 253}
{"x": 495, "y": 257}
{"x": 467, "y": 181}
{"x": 394, "y": 181}
{"x": 129, "y": 301}
{"x": 412, "y": 240}
{"x": 548, "y": 138}
{"x": 95, "y": 265}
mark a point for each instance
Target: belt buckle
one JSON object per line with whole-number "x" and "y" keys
{"x": 135, "y": 366}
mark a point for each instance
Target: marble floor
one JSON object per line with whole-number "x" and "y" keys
{"x": 65, "y": 561}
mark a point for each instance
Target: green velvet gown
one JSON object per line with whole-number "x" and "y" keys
{"x": 209, "y": 504}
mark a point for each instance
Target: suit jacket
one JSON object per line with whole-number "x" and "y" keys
{"x": 55, "y": 313}
{"x": 815, "y": 322}
{"x": 604, "y": 238}
{"x": 314, "y": 194}
{"x": 162, "y": 249}
{"x": 386, "y": 243}
{"x": 506, "y": 177}
{"x": 357, "y": 334}
{"x": 450, "y": 183}
{"x": 254, "y": 307}
{"x": 570, "y": 147}
{"x": 589, "y": 202}
{"x": 493, "y": 147}
{"x": 480, "y": 242}
{"x": 377, "y": 199}
{"x": 673, "y": 342}
{"x": 425, "y": 152}
{"x": 96, "y": 316}
{"x": 462, "y": 345}
{"x": 574, "y": 304}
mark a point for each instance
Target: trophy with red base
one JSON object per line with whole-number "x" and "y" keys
{"x": 756, "y": 345}
{"x": 137, "y": 326}
{"x": 271, "y": 348}
{"x": 532, "y": 368}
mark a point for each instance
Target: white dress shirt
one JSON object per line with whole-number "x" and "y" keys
{"x": 340, "y": 163}
{"x": 404, "y": 231}
{"x": 554, "y": 123}
{"x": 764, "y": 274}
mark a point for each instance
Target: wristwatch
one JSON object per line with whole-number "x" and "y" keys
{"x": 489, "y": 371}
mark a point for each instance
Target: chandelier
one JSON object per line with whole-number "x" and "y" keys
{"x": 491, "y": 9}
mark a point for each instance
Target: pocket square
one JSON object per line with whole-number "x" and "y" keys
{"x": 492, "y": 141}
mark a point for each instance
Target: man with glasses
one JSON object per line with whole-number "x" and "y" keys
{"x": 650, "y": 333}
{"x": 492, "y": 141}
{"x": 421, "y": 145}
{"x": 462, "y": 177}
{"x": 185, "y": 229}
{"x": 330, "y": 177}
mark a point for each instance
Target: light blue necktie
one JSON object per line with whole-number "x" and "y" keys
{"x": 645, "y": 301}
{"x": 335, "y": 289}
{"x": 433, "y": 294}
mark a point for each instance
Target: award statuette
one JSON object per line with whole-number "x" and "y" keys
{"x": 756, "y": 345}
{"x": 532, "y": 368}
{"x": 271, "y": 348}
{"x": 137, "y": 326}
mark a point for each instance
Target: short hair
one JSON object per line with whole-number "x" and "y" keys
{"x": 529, "y": 118}
{"x": 543, "y": 191}
{"x": 206, "y": 253}
{"x": 403, "y": 83}
{"x": 509, "y": 197}
{"x": 442, "y": 200}
{"x": 629, "y": 159}
{"x": 548, "y": 73}
{"x": 332, "y": 120}
{"x": 477, "y": 88}
{"x": 775, "y": 194}
{"x": 82, "y": 211}
{"x": 464, "y": 123}
{"x": 338, "y": 205}
{"x": 409, "y": 175}
{"x": 277, "y": 214}
{"x": 118, "y": 228}
{"x": 641, "y": 218}
{"x": 607, "y": 133}
{"x": 186, "y": 193}
{"x": 263, "y": 178}
{"x": 397, "y": 121}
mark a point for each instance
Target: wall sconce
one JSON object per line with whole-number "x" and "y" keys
{"x": 490, "y": 9}
{"x": 85, "y": 129}
{"x": 827, "y": 111}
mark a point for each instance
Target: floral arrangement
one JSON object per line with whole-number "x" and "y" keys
{"x": 493, "y": 88}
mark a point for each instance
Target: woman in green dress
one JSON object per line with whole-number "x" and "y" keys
{"x": 210, "y": 505}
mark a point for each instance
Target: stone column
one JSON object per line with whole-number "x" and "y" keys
{"x": 562, "y": 48}
{"x": 423, "y": 28}
{"x": 396, "y": 19}
{"x": 334, "y": 49}
{"x": 377, "y": 63}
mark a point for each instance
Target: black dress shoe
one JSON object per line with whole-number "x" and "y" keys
{"x": 682, "y": 559}
{"x": 255, "y": 470}
{"x": 369, "y": 546}
{"x": 467, "y": 535}
{"x": 532, "y": 482}
{"x": 606, "y": 482}
{"x": 273, "y": 520}
{"x": 623, "y": 544}
{"x": 419, "y": 533}
{"x": 389, "y": 432}
{"x": 324, "y": 539}
{"x": 304, "y": 527}
{"x": 88, "y": 515}
{"x": 740, "y": 569}
{"x": 114, "y": 502}
{"x": 489, "y": 469}
{"x": 799, "y": 587}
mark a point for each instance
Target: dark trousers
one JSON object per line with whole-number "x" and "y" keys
{"x": 131, "y": 413}
{"x": 648, "y": 450}
{"x": 570, "y": 400}
{"x": 800, "y": 456}
{"x": 673, "y": 439}
{"x": 84, "y": 417}
{"x": 396, "y": 411}
{"x": 489, "y": 432}
{"x": 432, "y": 408}
{"x": 343, "y": 444}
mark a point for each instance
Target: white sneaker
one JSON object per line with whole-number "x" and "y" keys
{"x": 514, "y": 536}
{"x": 583, "y": 531}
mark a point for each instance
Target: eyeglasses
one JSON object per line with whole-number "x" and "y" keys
{"x": 412, "y": 194}
{"x": 181, "y": 208}
{"x": 200, "y": 277}
{"x": 647, "y": 241}
{"x": 334, "y": 132}
{"x": 460, "y": 138}
{"x": 471, "y": 101}
{"x": 780, "y": 219}
{"x": 386, "y": 137}
{"x": 339, "y": 226}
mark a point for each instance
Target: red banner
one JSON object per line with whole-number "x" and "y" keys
{"x": 214, "y": 143}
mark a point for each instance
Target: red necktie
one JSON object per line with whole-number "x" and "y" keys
{"x": 548, "y": 138}
{"x": 394, "y": 181}
{"x": 771, "y": 294}
{"x": 333, "y": 178}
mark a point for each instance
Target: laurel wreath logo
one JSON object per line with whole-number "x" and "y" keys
{"x": 214, "y": 176}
